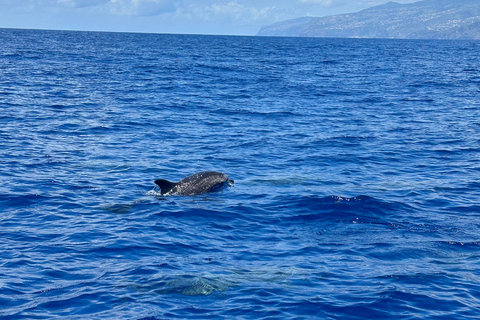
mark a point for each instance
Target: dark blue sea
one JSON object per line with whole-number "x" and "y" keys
{"x": 356, "y": 165}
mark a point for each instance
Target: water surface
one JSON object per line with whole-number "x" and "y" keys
{"x": 356, "y": 168}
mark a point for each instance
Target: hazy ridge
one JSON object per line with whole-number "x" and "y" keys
{"x": 428, "y": 19}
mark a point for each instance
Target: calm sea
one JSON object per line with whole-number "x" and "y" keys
{"x": 356, "y": 165}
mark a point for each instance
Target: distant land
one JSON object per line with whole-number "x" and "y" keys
{"x": 428, "y": 19}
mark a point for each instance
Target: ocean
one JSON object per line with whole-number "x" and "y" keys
{"x": 356, "y": 165}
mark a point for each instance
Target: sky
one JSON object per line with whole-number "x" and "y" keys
{"x": 223, "y": 17}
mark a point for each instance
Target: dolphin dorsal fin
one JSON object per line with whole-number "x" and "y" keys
{"x": 165, "y": 185}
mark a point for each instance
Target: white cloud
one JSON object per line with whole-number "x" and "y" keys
{"x": 238, "y": 11}
{"x": 230, "y": 11}
{"x": 142, "y": 7}
{"x": 82, "y": 3}
{"x": 323, "y": 2}
{"x": 73, "y": 3}
{"x": 117, "y": 7}
{"x": 366, "y": 3}
{"x": 206, "y": 10}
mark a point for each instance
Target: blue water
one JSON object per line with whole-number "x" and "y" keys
{"x": 356, "y": 165}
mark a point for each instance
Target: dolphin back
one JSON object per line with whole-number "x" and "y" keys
{"x": 165, "y": 185}
{"x": 202, "y": 182}
{"x": 199, "y": 183}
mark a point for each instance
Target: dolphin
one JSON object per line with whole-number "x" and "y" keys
{"x": 198, "y": 183}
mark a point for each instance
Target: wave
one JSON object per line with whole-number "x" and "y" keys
{"x": 361, "y": 208}
{"x": 21, "y": 200}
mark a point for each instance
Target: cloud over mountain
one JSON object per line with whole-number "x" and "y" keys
{"x": 173, "y": 16}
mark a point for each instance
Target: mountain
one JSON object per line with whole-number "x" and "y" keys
{"x": 428, "y": 19}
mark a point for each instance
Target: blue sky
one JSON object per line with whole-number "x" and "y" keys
{"x": 235, "y": 17}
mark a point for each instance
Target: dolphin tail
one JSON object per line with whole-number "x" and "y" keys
{"x": 165, "y": 185}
